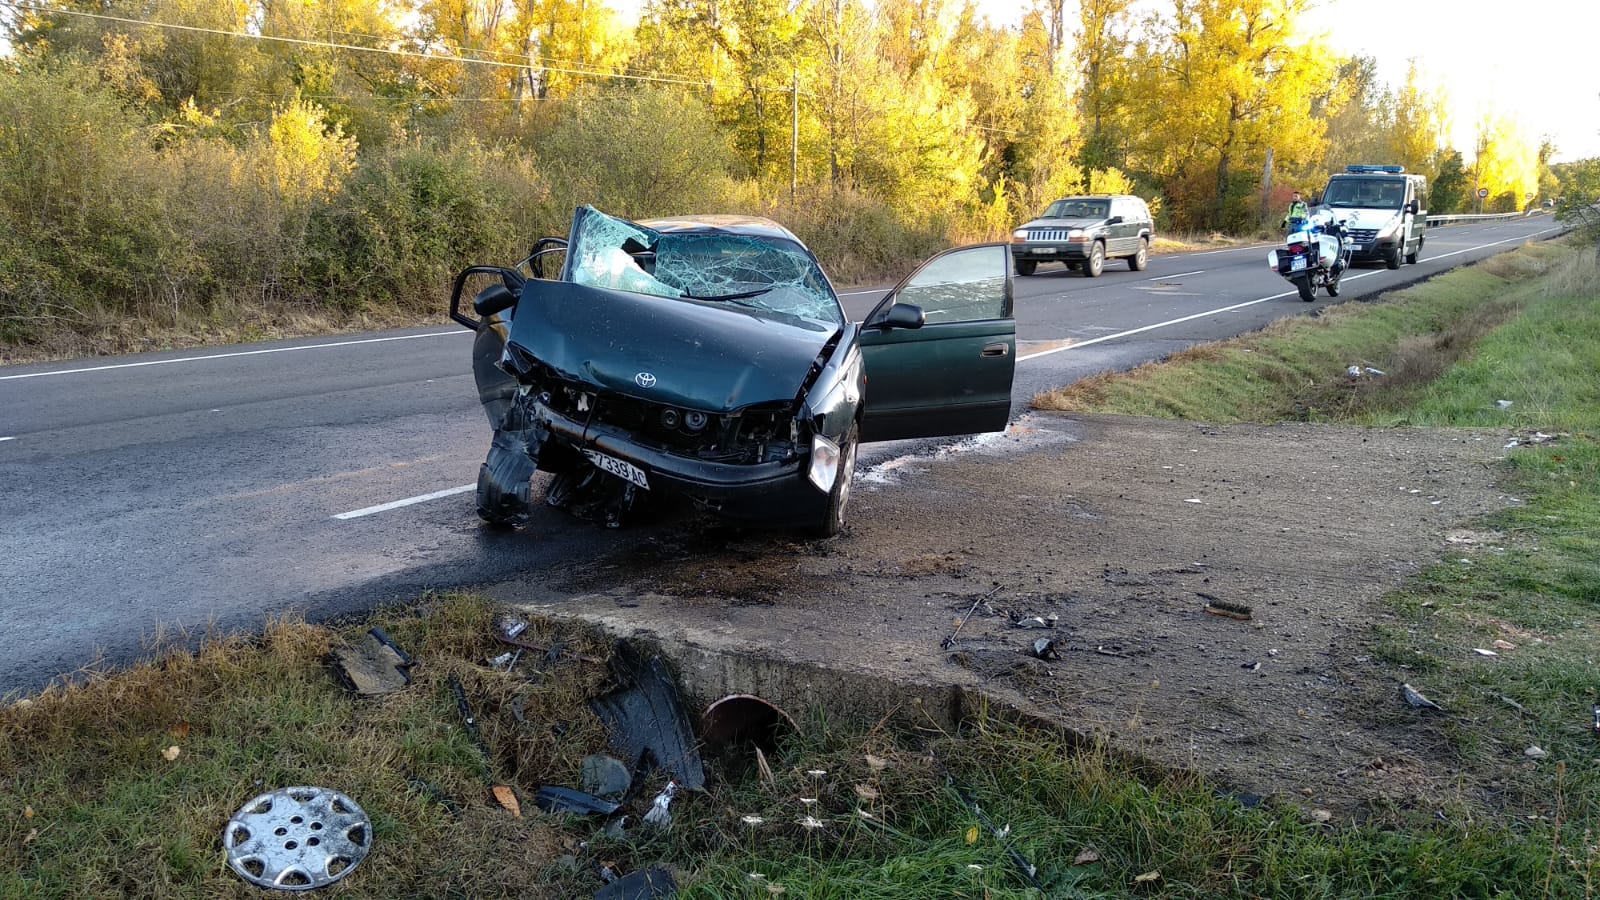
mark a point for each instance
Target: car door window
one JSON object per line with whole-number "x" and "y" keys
{"x": 966, "y": 285}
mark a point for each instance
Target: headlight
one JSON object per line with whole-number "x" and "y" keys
{"x": 1389, "y": 229}
{"x": 1019, "y": 235}
{"x": 1077, "y": 234}
{"x": 824, "y": 463}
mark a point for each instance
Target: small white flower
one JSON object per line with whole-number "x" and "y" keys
{"x": 752, "y": 820}
{"x": 863, "y": 814}
{"x": 816, "y": 773}
{"x": 808, "y": 800}
{"x": 757, "y": 876}
{"x": 811, "y": 822}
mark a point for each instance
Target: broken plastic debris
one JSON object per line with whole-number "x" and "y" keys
{"x": 1503, "y": 404}
{"x": 646, "y": 715}
{"x": 554, "y": 798}
{"x": 1375, "y": 373}
{"x": 1045, "y": 648}
{"x": 645, "y": 884}
{"x": 375, "y": 665}
{"x": 1219, "y": 607}
{"x": 660, "y": 814}
{"x": 1026, "y": 869}
{"x": 1535, "y": 752}
{"x": 1482, "y": 652}
{"x": 1353, "y": 371}
{"x": 1415, "y": 698}
{"x": 1037, "y": 621}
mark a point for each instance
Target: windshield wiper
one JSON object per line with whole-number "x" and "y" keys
{"x": 742, "y": 295}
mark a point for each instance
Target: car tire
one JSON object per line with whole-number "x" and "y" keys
{"x": 1411, "y": 258}
{"x": 1097, "y": 260}
{"x": 1026, "y": 266}
{"x": 1138, "y": 261}
{"x": 1333, "y": 283}
{"x": 1302, "y": 283}
{"x": 833, "y": 514}
{"x": 1391, "y": 257}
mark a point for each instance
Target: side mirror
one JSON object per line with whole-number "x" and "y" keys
{"x": 1412, "y": 207}
{"x": 493, "y": 299}
{"x": 902, "y": 315}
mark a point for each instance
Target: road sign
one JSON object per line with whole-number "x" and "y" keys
{"x": 1482, "y": 193}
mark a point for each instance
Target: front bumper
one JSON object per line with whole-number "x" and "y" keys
{"x": 1370, "y": 250}
{"x": 1063, "y": 251}
{"x": 746, "y": 490}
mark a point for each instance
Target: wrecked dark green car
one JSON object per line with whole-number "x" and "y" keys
{"x": 708, "y": 357}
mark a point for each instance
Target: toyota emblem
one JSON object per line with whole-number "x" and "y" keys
{"x": 644, "y": 380}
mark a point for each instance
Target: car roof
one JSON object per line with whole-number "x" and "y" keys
{"x": 1100, "y": 197}
{"x": 749, "y": 226}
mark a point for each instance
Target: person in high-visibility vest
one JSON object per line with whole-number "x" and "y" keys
{"x": 1297, "y": 210}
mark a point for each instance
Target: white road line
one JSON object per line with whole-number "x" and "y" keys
{"x": 396, "y": 504}
{"x": 1179, "y": 275}
{"x": 184, "y": 359}
{"x": 7, "y": 438}
{"x": 1223, "y": 309}
{"x": 857, "y": 293}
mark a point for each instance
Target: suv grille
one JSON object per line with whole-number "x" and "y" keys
{"x": 1047, "y": 234}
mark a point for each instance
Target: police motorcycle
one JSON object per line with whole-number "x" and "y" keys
{"x": 1315, "y": 255}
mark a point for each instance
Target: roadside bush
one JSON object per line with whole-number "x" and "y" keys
{"x": 858, "y": 237}
{"x": 415, "y": 214}
{"x": 83, "y": 200}
{"x": 636, "y": 152}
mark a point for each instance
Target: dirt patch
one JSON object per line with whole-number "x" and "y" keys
{"x": 1111, "y": 536}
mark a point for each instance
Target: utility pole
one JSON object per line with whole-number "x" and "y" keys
{"x": 794, "y": 136}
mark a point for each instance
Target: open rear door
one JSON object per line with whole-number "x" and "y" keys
{"x": 952, "y": 374}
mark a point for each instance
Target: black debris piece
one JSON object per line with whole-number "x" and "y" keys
{"x": 469, "y": 719}
{"x": 646, "y": 714}
{"x": 375, "y": 665}
{"x": 645, "y": 884}
{"x": 556, "y": 799}
{"x": 1045, "y": 648}
{"x": 1028, "y": 871}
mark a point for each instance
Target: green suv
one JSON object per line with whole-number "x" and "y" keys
{"x": 1083, "y": 231}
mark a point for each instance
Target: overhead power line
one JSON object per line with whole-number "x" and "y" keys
{"x": 329, "y": 45}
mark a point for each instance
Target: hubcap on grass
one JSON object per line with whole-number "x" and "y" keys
{"x": 297, "y": 839}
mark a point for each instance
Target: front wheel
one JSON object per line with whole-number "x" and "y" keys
{"x": 1391, "y": 257}
{"x": 1302, "y": 283}
{"x": 1097, "y": 260}
{"x": 839, "y": 497}
{"x": 1139, "y": 260}
{"x": 1411, "y": 258}
{"x": 1027, "y": 266}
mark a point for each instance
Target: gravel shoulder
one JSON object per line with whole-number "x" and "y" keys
{"x": 1121, "y": 529}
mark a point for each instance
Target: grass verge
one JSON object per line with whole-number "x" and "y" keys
{"x": 92, "y": 807}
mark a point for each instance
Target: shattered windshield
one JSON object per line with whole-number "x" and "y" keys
{"x": 1078, "y": 208}
{"x": 710, "y": 266}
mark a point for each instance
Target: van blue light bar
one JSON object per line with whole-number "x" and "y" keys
{"x": 1392, "y": 170}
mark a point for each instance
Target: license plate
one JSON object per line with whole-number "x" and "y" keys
{"x": 1297, "y": 263}
{"x": 625, "y": 470}
{"x": 1044, "y": 249}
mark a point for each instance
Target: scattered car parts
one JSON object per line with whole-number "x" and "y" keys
{"x": 646, "y": 716}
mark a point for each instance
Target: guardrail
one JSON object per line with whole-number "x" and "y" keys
{"x": 1434, "y": 221}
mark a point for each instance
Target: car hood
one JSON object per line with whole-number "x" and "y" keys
{"x": 1063, "y": 223}
{"x": 1356, "y": 217}
{"x": 714, "y": 358}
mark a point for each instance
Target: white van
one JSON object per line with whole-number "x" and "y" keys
{"x": 1384, "y": 210}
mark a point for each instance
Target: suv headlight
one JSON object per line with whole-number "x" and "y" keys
{"x": 1077, "y": 234}
{"x": 1019, "y": 235}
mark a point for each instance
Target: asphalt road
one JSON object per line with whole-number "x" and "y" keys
{"x": 212, "y": 489}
